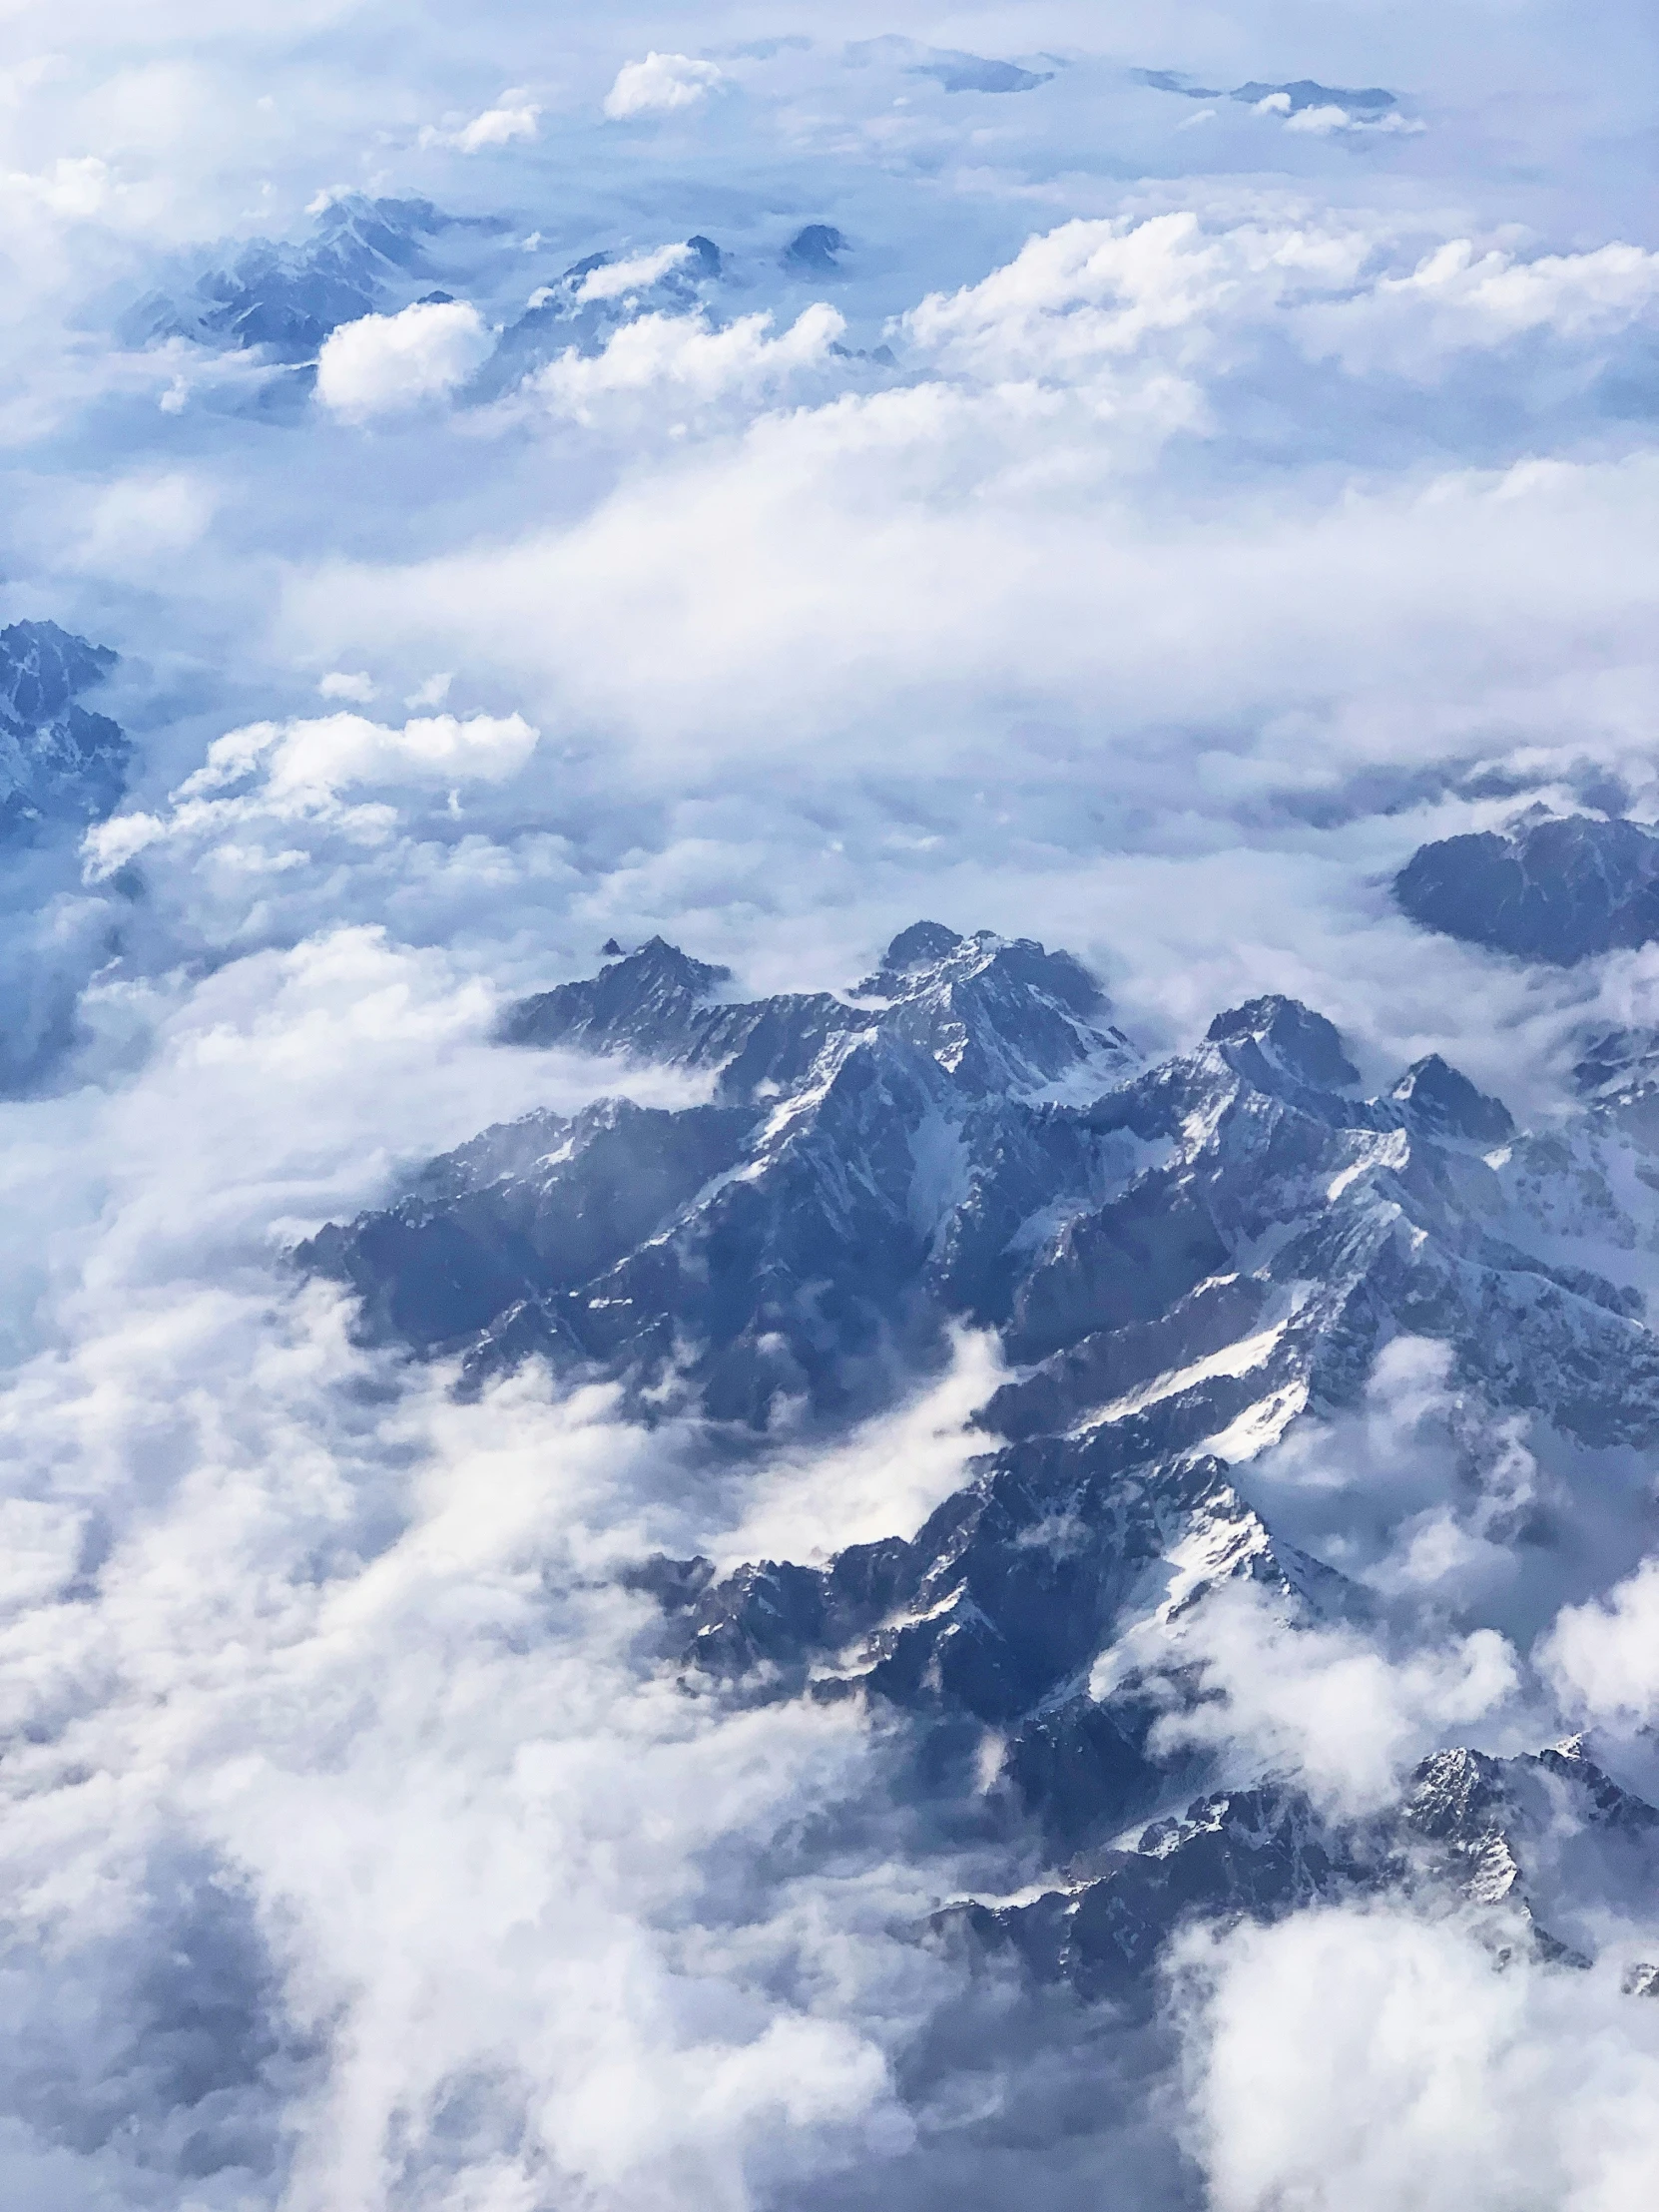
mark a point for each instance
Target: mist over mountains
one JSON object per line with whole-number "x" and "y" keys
{"x": 829, "y": 1075}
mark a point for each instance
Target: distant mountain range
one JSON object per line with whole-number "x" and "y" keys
{"x": 279, "y": 301}
{"x": 362, "y": 254}
{"x": 1178, "y": 1259}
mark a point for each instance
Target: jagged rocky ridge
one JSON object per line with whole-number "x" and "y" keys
{"x": 1559, "y": 890}
{"x": 1178, "y": 1260}
{"x": 61, "y": 765}
{"x": 363, "y": 255}
{"x": 1518, "y": 1841}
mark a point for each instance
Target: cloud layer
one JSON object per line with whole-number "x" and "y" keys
{"x": 1157, "y": 514}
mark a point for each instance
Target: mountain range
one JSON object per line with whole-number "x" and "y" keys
{"x": 1180, "y": 1259}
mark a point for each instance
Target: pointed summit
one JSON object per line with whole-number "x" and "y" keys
{"x": 1287, "y": 1039}
{"x": 1440, "y": 1101}
{"x": 924, "y": 945}
{"x": 651, "y": 1003}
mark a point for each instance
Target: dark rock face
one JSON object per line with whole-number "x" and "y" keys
{"x": 525, "y": 1215}
{"x": 1230, "y": 1229}
{"x": 1307, "y": 92}
{"x": 994, "y": 1013}
{"x": 991, "y": 1617}
{"x": 815, "y": 251}
{"x": 1176, "y": 1259}
{"x": 1437, "y": 1101}
{"x": 286, "y": 299}
{"x": 1277, "y": 1037}
{"x": 973, "y": 72}
{"x": 60, "y": 766}
{"x": 805, "y": 1219}
{"x": 1250, "y": 1853}
{"x": 1559, "y": 891}
{"x": 1011, "y": 1587}
{"x": 1496, "y": 1831}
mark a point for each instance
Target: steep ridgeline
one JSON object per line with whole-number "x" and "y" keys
{"x": 61, "y": 767}
{"x": 1530, "y": 1846}
{"x": 1187, "y": 1257}
{"x": 1559, "y": 890}
{"x": 1177, "y": 1259}
{"x": 858, "y": 1180}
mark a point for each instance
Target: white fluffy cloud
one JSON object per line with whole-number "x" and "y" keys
{"x": 514, "y": 116}
{"x": 302, "y": 758}
{"x": 679, "y": 363}
{"x": 612, "y": 280}
{"x": 1187, "y": 290}
{"x": 343, "y": 683}
{"x": 1326, "y": 1704}
{"x": 384, "y": 363}
{"x": 1370, "y": 2061}
{"x": 659, "y": 85}
{"x": 290, "y": 771}
{"x": 524, "y": 1902}
{"x": 1604, "y": 1654}
{"x": 148, "y": 516}
{"x": 1463, "y": 295}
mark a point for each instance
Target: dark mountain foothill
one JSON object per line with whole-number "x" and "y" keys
{"x": 1307, "y": 92}
{"x": 1369, "y": 102}
{"x": 1558, "y": 890}
{"x": 973, "y": 73}
{"x": 1180, "y": 1259}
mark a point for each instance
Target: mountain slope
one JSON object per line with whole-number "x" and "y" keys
{"x": 61, "y": 767}
{"x": 1558, "y": 890}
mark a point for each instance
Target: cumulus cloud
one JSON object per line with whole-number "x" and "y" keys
{"x": 514, "y": 116}
{"x": 390, "y": 1919}
{"x": 79, "y": 187}
{"x": 659, "y": 84}
{"x": 341, "y": 682}
{"x": 291, "y": 771}
{"x": 682, "y": 362}
{"x": 1370, "y": 2061}
{"x": 1092, "y": 297}
{"x": 1461, "y": 294}
{"x": 612, "y": 280}
{"x": 1604, "y": 1654}
{"x": 141, "y": 519}
{"x": 385, "y": 363}
{"x": 1327, "y": 1705}
{"x": 302, "y": 758}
